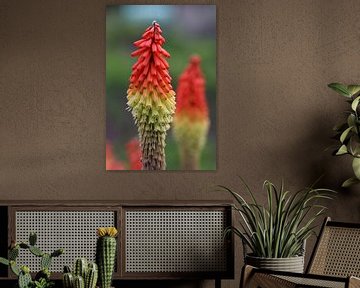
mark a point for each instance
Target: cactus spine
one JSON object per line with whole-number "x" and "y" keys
{"x": 84, "y": 274}
{"x": 106, "y": 254}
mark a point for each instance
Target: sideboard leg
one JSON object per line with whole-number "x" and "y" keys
{"x": 217, "y": 283}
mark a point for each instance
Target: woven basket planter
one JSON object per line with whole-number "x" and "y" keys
{"x": 291, "y": 264}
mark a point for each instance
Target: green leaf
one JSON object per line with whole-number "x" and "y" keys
{"x": 355, "y": 103}
{"x": 342, "y": 150}
{"x": 345, "y": 134}
{"x": 349, "y": 182}
{"x": 354, "y": 145}
{"x": 351, "y": 120}
{"x": 340, "y": 88}
{"x": 4, "y": 261}
{"x": 356, "y": 167}
{"x": 353, "y": 89}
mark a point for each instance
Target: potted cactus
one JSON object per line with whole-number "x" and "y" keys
{"x": 106, "y": 254}
{"x": 42, "y": 278}
{"x": 348, "y": 132}
{"x": 84, "y": 275}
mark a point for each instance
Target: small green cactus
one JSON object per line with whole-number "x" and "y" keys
{"x": 84, "y": 274}
{"x": 68, "y": 280}
{"x": 42, "y": 278}
{"x": 79, "y": 282}
{"x": 106, "y": 254}
{"x": 81, "y": 266}
{"x": 91, "y": 276}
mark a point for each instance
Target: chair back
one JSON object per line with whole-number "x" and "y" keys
{"x": 337, "y": 251}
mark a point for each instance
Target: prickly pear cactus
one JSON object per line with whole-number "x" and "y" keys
{"x": 32, "y": 238}
{"x": 106, "y": 254}
{"x": 45, "y": 261}
{"x": 24, "y": 280}
{"x": 36, "y": 251}
{"x": 42, "y": 278}
{"x": 13, "y": 253}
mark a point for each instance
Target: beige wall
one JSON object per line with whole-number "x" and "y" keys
{"x": 275, "y": 113}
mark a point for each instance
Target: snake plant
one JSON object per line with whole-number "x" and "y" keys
{"x": 279, "y": 228}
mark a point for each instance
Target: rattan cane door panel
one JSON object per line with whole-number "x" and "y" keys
{"x": 74, "y": 230}
{"x": 174, "y": 241}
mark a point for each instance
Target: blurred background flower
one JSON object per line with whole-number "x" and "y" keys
{"x": 188, "y": 30}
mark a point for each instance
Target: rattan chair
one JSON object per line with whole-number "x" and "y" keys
{"x": 334, "y": 263}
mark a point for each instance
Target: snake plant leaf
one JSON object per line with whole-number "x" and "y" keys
{"x": 340, "y": 88}
{"x": 355, "y": 103}
{"x": 349, "y": 182}
{"x": 353, "y": 89}
{"x": 342, "y": 150}
{"x": 345, "y": 134}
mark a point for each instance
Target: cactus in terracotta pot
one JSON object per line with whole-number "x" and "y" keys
{"x": 106, "y": 254}
{"x": 151, "y": 98}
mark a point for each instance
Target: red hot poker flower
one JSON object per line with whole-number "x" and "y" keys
{"x": 111, "y": 162}
{"x": 191, "y": 122}
{"x": 191, "y": 92}
{"x": 151, "y": 99}
{"x": 134, "y": 154}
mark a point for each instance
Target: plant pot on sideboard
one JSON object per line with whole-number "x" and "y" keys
{"x": 290, "y": 264}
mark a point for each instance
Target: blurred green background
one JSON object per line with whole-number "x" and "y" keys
{"x": 188, "y": 30}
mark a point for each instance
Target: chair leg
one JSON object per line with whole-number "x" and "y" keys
{"x": 250, "y": 278}
{"x": 354, "y": 282}
{"x": 246, "y": 276}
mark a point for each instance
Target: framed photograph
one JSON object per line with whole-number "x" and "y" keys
{"x": 161, "y": 87}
